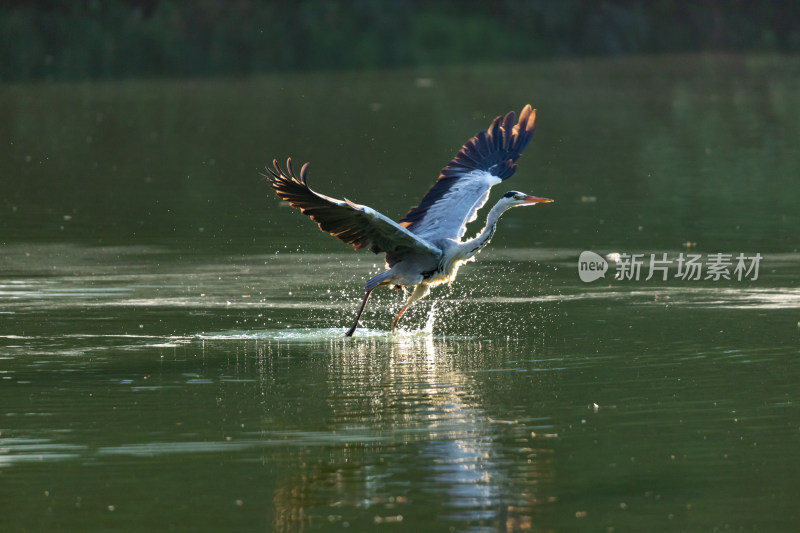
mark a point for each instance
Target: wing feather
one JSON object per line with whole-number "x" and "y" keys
{"x": 355, "y": 224}
{"x": 463, "y": 185}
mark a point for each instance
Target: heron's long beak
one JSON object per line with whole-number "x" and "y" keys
{"x": 536, "y": 200}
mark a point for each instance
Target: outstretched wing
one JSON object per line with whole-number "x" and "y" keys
{"x": 355, "y": 224}
{"x": 463, "y": 186}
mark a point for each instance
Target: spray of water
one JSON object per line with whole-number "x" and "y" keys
{"x": 431, "y": 319}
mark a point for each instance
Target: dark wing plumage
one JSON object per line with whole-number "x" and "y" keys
{"x": 463, "y": 185}
{"x": 355, "y": 224}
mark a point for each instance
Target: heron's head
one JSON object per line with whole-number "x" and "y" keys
{"x": 516, "y": 198}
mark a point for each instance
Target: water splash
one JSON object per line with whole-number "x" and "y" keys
{"x": 431, "y": 319}
{"x": 292, "y": 334}
{"x": 325, "y": 334}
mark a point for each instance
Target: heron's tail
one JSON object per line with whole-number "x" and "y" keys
{"x": 380, "y": 279}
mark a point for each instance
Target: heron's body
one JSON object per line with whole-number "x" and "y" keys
{"x": 425, "y": 248}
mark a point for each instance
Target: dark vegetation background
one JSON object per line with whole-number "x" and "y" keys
{"x": 91, "y": 39}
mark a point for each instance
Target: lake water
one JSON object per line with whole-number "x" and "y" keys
{"x": 170, "y": 334}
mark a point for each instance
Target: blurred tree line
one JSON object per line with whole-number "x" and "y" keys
{"x": 86, "y": 39}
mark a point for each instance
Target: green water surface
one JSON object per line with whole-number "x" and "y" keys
{"x": 170, "y": 334}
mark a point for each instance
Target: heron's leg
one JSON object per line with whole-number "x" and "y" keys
{"x": 358, "y": 316}
{"x": 419, "y": 292}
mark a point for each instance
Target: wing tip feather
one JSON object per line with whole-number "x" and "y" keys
{"x": 495, "y": 149}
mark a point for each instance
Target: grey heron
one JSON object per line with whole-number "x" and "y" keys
{"x": 425, "y": 248}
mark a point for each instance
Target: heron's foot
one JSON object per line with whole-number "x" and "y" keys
{"x": 396, "y": 319}
{"x": 358, "y": 316}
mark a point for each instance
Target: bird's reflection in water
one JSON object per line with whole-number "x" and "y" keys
{"x": 409, "y": 426}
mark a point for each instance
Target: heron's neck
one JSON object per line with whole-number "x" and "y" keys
{"x": 476, "y": 244}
